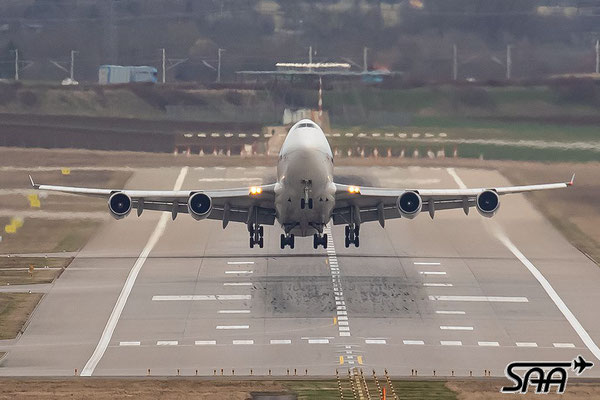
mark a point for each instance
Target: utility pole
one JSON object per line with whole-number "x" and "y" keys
{"x": 365, "y": 49}
{"x": 72, "y": 70}
{"x": 508, "y": 61}
{"x": 598, "y": 56}
{"x": 16, "y": 51}
{"x": 219, "y": 66}
{"x": 454, "y": 62}
{"x": 164, "y": 67}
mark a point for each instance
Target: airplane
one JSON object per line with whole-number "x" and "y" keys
{"x": 305, "y": 197}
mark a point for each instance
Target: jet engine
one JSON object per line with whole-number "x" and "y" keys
{"x": 199, "y": 205}
{"x": 409, "y": 204}
{"x": 119, "y": 205}
{"x": 487, "y": 203}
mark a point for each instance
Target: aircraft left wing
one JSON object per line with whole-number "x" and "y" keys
{"x": 248, "y": 205}
{"x": 362, "y": 204}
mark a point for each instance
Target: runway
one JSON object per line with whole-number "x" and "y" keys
{"x": 455, "y": 295}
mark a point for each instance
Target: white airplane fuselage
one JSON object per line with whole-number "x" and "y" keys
{"x": 305, "y": 192}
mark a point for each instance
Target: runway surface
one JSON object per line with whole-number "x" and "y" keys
{"x": 454, "y": 294}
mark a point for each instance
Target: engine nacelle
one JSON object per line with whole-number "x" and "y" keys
{"x": 488, "y": 203}
{"x": 409, "y": 204}
{"x": 119, "y": 205}
{"x": 199, "y": 205}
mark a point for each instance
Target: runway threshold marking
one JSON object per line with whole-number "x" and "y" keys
{"x": 493, "y": 299}
{"x": 579, "y": 329}
{"x": 113, "y": 319}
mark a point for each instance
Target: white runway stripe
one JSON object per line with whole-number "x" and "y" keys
{"x": 237, "y": 284}
{"x": 227, "y": 327}
{"x": 456, "y": 328}
{"x": 111, "y": 324}
{"x": 203, "y": 297}
{"x": 167, "y": 343}
{"x": 240, "y": 262}
{"x": 432, "y": 273}
{"x": 280, "y": 341}
{"x": 243, "y": 342}
{"x": 450, "y": 312}
{"x": 413, "y": 342}
{"x": 526, "y": 344}
{"x": 585, "y": 337}
{"x": 129, "y": 343}
{"x": 205, "y": 342}
{"x": 497, "y": 299}
{"x": 438, "y": 284}
{"x": 451, "y": 343}
{"x": 488, "y": 344}
{"x": 564, "y": 345}
{"x": 375, "y": 341}
{"x": 318, "y": 341}
{"x": 240, "y": 272}
{"x": 234, "y": 311}
{"x": 426, "y": 263}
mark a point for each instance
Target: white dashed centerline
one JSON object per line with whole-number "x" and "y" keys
{"x": 438, "y": 284}
{"x": 205, "y": 342}
{"x": 492, "y": 299}
{"x": 226, "y": 327}
{"x": 243, "y": 342}
{"x": 451, "y": 343}
{"x": 564, "y": 345}
{"x": 234, "y": 311}
{"x": 456, "y": 328}
{"x": 526, "y": 344}
{"x": 129, "y": 343}
{"x": 203, "y": 297}
{"x": 450, "y": 312}
{"x": 167, "y": 343}
{"x": 413, "y": 342}
{"x": 488, "y": 344}
{"x": 280, "y": 341}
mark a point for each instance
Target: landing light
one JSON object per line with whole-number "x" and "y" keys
{"x": 353, "y": 189}
{"x": 255, "y": 190}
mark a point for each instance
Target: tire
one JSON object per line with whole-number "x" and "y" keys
{"x": 251, "y": 243}
{"x": 292, "y": 241}
{"x": 261, "y": 230}
{"x": 325, "y": 241}
{"x": 356, "y": 242}
{"x": 315, "y": 241}
{"x": 302, "y": 204}
{"x": 356, "y": 230}
{"x": 347, "y": 242}
{"x": 347, "y": 231}
{"x": 310, "y": 203}
{"x": 282, "y": 240}
{"x": 261, "y": 243}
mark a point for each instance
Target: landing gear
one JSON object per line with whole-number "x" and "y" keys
{"x": 352, "y": 235}
{"x": 287, "y": 240}
{"x": 256, "y": 235}
{"x": 304, "y": 202}
{"x": 319, "y": 240}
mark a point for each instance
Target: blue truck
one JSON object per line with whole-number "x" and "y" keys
{"x": 113, "y": 74}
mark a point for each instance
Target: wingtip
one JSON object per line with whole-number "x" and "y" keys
{"x": 572, "y": 181}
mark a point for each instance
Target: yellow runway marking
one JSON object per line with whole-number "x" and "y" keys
{"x": 360, "y": 360}
{"x": 34, "y": 200}
{"x": 341, "y": 360}
{"x": 335, "y": 320}
{"x": 66, "y": 171}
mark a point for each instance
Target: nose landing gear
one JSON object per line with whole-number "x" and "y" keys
{"x": 320, "y": 240}
{"x": 256, "y": 235}
{"x": 352, "y": 235}
{"x": 287, "y": 240}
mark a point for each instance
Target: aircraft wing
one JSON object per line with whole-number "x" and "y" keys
{"x": 362, "y": 204}
{"x": 249, "y": 204}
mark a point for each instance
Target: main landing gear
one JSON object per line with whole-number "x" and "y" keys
{"x": 352, "y": 233}
{"x": 320, "y": 240}
{"x": 287, "y": 240}
{"x": 256, "y": 235}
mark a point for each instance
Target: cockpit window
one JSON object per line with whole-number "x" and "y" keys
{"x": 308, "y": 125}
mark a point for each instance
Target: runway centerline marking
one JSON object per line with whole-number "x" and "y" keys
{"x": 488, "y": 344}
{"x": 318, "y": 341}
{"x": 240, "y": 262}
{"x": 450, "y": 342}
{"x": 432, "y": 272}
{"x": 438, "y": 284}
{"x": 129, "y": 343}
{"x": 167, "y": 343}
{"x": 113, "y": 319}
{"x": 375, "y": 341}
{"x": 240, "y": 272}
{"x": 492, "y": 299}
{"x": 426, "y": 263}
{"x": 456, "y": 328}
{"x": 450, "y": 312}
{"x": 234, "y": 311}
{"x": 205, "y": 342}
{"x": 585, "y": 337}
{"x": 233, "y": 326}
{"x": 243, "y": 342}
{"x": 413, "y": 342}
{"x": 526, "y": 344}
{"x": 237, "y": 284}
{"x": 280, "y": 341}
{"x": 564, "y": 345}
{"x": 203, "y": 297}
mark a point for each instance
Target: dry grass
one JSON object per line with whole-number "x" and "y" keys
{"x": 15, "y": 309}
{"x": 490, "y": 390}
{"x": 15, "y": 270}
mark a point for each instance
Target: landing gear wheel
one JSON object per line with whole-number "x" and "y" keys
{"x": 251, "y": 243}
{"x": 315, "y": 241}
{"x": 261, "y": 242}
{"x": 325, "y": 241}
{"x": 347, "y": 242}
{"x": 261, "y": 231}
{"x": 356, "y": 241}
{"x": 347, "y": 231}
{"x": 302, "y": 203}
{"x": 282, "y": 241}
{"x": 310, "y": 203}
{"x": 291, "y": 241}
